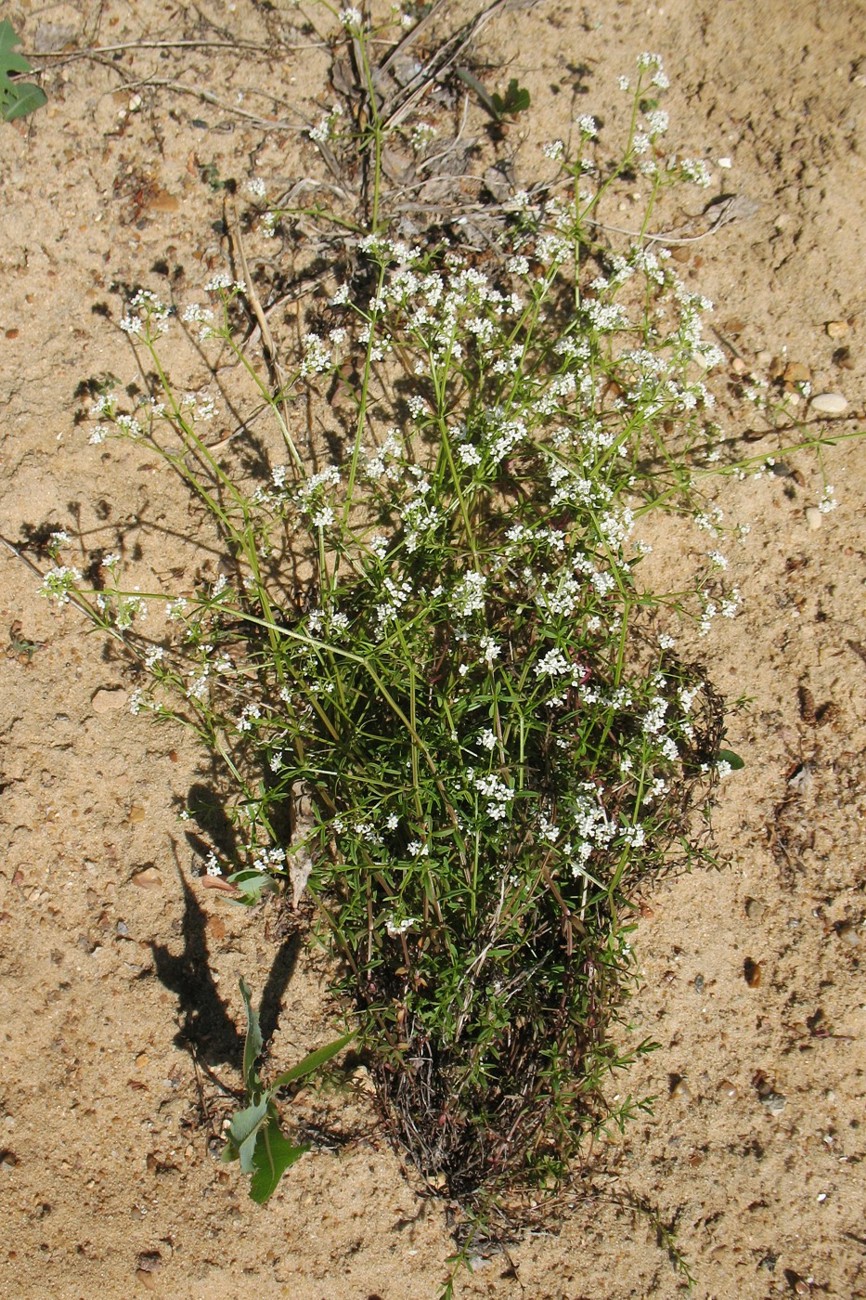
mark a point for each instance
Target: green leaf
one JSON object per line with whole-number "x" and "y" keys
{"x": 274, "y": 1155}
{"x": 474, "y": 84}
{"x": 733, "y": 760}
{"x": 28, "y": 98}
{"x": 310, "y": 1063}
{"x": 244, "y": 1130}
{"x": 252, "y": 884}
{"x": 516, "y": 100}
{"x": 16, "y": 97}
{"x": 253, "y": 1042}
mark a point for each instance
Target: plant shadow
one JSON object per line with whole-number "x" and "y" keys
{"x": 207, "y": 1030}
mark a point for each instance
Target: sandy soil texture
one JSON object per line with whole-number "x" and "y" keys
{"x": 114, "y": 960}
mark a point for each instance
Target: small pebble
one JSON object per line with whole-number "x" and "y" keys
{"x": 728, "y": 1089}
{"x": 363, "y": 1080}
{"x": 756, "y": 909}
{"x": 836, "y": 329}
{"x": 830, "y": 403}
{"x": 109, "y": 699}
{"x": 814, "y": 518}
{"x": 752, "y": 973}
{"x": 147, "y": 878}
{"x": 796, "y": 373}
{"x": 681, "y": 1091}
{"x": 774, "y": 1102}
{"x": 849, "y": 933}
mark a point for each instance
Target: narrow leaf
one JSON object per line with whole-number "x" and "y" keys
{"x": 253, "y": 1042}
{"x": 310, "y": 1063}
{"x": 473, "y": 83}
{"x": 274, "y": 1155}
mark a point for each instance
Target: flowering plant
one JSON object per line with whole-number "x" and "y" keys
{"x": 456, "y": 720}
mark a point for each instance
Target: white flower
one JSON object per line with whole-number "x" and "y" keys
{"x": 396, "y": 928}
{"x": 468, "y": 595}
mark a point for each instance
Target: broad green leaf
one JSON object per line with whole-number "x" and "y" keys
{"x": 9, "y": 60}
{"x": 274, "y": 1155}
{"x": 16, "y": 97}
{"x": 310, "y": 1063}
{"x": 252, "y": 884}
{"x": 516, "y": 100}
{"x": 733, "y": 760}
{"x": 253, "y": 1042}
{"x": 27, "y": 98}
{"x": 243, "y": 1131}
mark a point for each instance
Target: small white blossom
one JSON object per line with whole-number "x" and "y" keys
{"x": 396, "y": 928}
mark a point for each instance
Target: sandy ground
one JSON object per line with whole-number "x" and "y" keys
{"x": 109, "y": 1179}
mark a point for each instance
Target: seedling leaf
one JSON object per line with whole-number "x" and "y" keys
{"x": 274, "y": 1154}
{"x": 253, "y": 1041}
{"x": 733, "y": 760}
{"x": 474, "y": 84}
{"x": 17, "y": 98}
{"x": 252, "y": 885}
{"x": 310, "y": 1063}
{"x": 516, "y": 100}
{"x": 243, "y": 1132}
